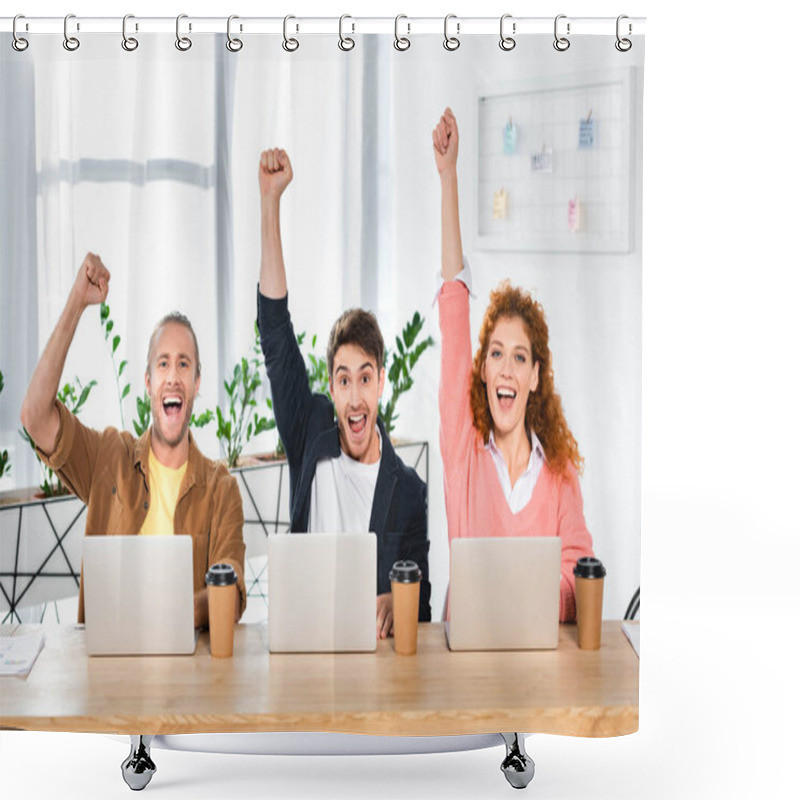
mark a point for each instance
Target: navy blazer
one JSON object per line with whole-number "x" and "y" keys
{"x": 308, "y": 430}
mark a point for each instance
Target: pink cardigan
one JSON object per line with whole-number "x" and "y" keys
{"x": 474, "y": 499}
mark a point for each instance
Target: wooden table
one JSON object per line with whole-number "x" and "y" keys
{"x": 436, "y": 692}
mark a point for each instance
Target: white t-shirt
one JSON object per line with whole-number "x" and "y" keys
{"x": 341, "y": 494}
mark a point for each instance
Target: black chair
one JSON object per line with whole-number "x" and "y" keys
{"x": 633, "y": 606}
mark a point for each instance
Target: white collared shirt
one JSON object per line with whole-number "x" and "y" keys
{"x": 464, "y": 275}
{"x": 520, "y": 493}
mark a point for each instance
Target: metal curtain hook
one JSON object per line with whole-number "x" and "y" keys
{"x": 183, "y": 43}
{"x": 129, "y": 43}
{"x": 289, "y": 44}
{"x": 345, "y": 42}
{"x": 561, "y": 43}
{"x": 18, "y": 43}
{"x": 70, "y": 42}
{"x": 507, "y": 42}
{"x": 451, "y": 42}
{"x": 623, "y": 45}
{"x": 401, "y": 42}
{"x": 233, "y": 44}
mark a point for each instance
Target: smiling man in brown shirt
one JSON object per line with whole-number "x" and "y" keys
{"x": 157, "y": 484}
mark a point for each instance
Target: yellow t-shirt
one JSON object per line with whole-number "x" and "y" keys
{"x": 165, "y": 484}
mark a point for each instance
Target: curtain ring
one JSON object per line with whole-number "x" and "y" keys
{"x": 561, "y": 43}
{"x": 507, "y": 42}
{"x": 183, "y": 43}
{"x": 623, "y": 45}
{"x": 70, "y": 42}
{"x": 233, "y": 44}
{"x": 345, "y": 42}
{"x": 401, "y": 43}
{"x": 288, "y": 44}
{"x": 451, "y": 42}
{"x": 129, "y": 43}
{"x": 18, "y": 43}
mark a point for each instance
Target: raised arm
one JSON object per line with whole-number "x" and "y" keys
{"x": 291, "y": 396}
{"x": 274, "y": 175}
{"x": 39, "y": 414}
{"x": 455, "y": 417}
{"x": 445, "y": 150}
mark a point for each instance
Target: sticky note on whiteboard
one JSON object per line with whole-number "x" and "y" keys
{"x": 500, "y": 204}
{"x": 509, "y": 138}
{"x": 574, "y": 215}
{"x": 588, "y": 132}
{"x": 542, "y": 161}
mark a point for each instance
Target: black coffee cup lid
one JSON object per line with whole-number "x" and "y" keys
{"x": 220, "y": 575}
{"x": 405, "y": 572}
{"x": 589, "y": 567}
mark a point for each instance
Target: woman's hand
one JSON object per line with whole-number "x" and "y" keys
{"x": 445, "y": 143}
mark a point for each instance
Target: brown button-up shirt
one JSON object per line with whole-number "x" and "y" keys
{"x": 108, "y": 470}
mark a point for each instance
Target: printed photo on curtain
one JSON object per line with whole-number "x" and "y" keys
{"x": 367, "y": 288}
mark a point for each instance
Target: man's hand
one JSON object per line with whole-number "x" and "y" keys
{"x": 445, "y": 143}
{"x": 385, "y": 618}
{"x": 274, "y": 174}
{"x": 91, "y": 282}
{"x": 39, "y": 415}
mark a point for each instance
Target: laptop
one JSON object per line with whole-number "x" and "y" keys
{"x": 504, "y": 593}
{"x": 321, "y": 592}
{"x": 138, "y": 595}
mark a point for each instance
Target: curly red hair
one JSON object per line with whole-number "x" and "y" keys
{"x": 544, "y": 414}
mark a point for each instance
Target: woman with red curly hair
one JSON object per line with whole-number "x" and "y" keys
{"x": 511, "y": 462}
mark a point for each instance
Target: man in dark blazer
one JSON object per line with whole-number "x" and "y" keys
{"x": 344, "y": 474}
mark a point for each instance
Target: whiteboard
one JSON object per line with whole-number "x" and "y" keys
{"x": 561, "y": 151}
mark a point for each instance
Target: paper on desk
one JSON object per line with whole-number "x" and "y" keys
{"x": 18, "y": 652}
{"x": 631, "y": 630}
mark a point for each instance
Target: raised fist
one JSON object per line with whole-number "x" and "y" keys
{"x": 274, "y": 173}
{"x": 445, "y": 142}
{"x": 91, "y": 282}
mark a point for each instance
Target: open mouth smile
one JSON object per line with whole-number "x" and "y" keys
{"x": 357, "y": 423}
{"x": 506, "y": 397}
{"x": 172, "y": 405}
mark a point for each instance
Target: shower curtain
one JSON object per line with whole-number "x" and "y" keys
{"x": 150, "y": 158}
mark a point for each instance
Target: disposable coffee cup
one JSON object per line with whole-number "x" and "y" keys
{"x": 221, "y": 583}
{"x": 405, "y": 577}
{"x": 589, "y": 573}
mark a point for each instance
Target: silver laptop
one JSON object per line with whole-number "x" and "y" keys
{"x": 138, "y": 595}
{"x": 321, "y": 589}
{"x": 504, "y": 593}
